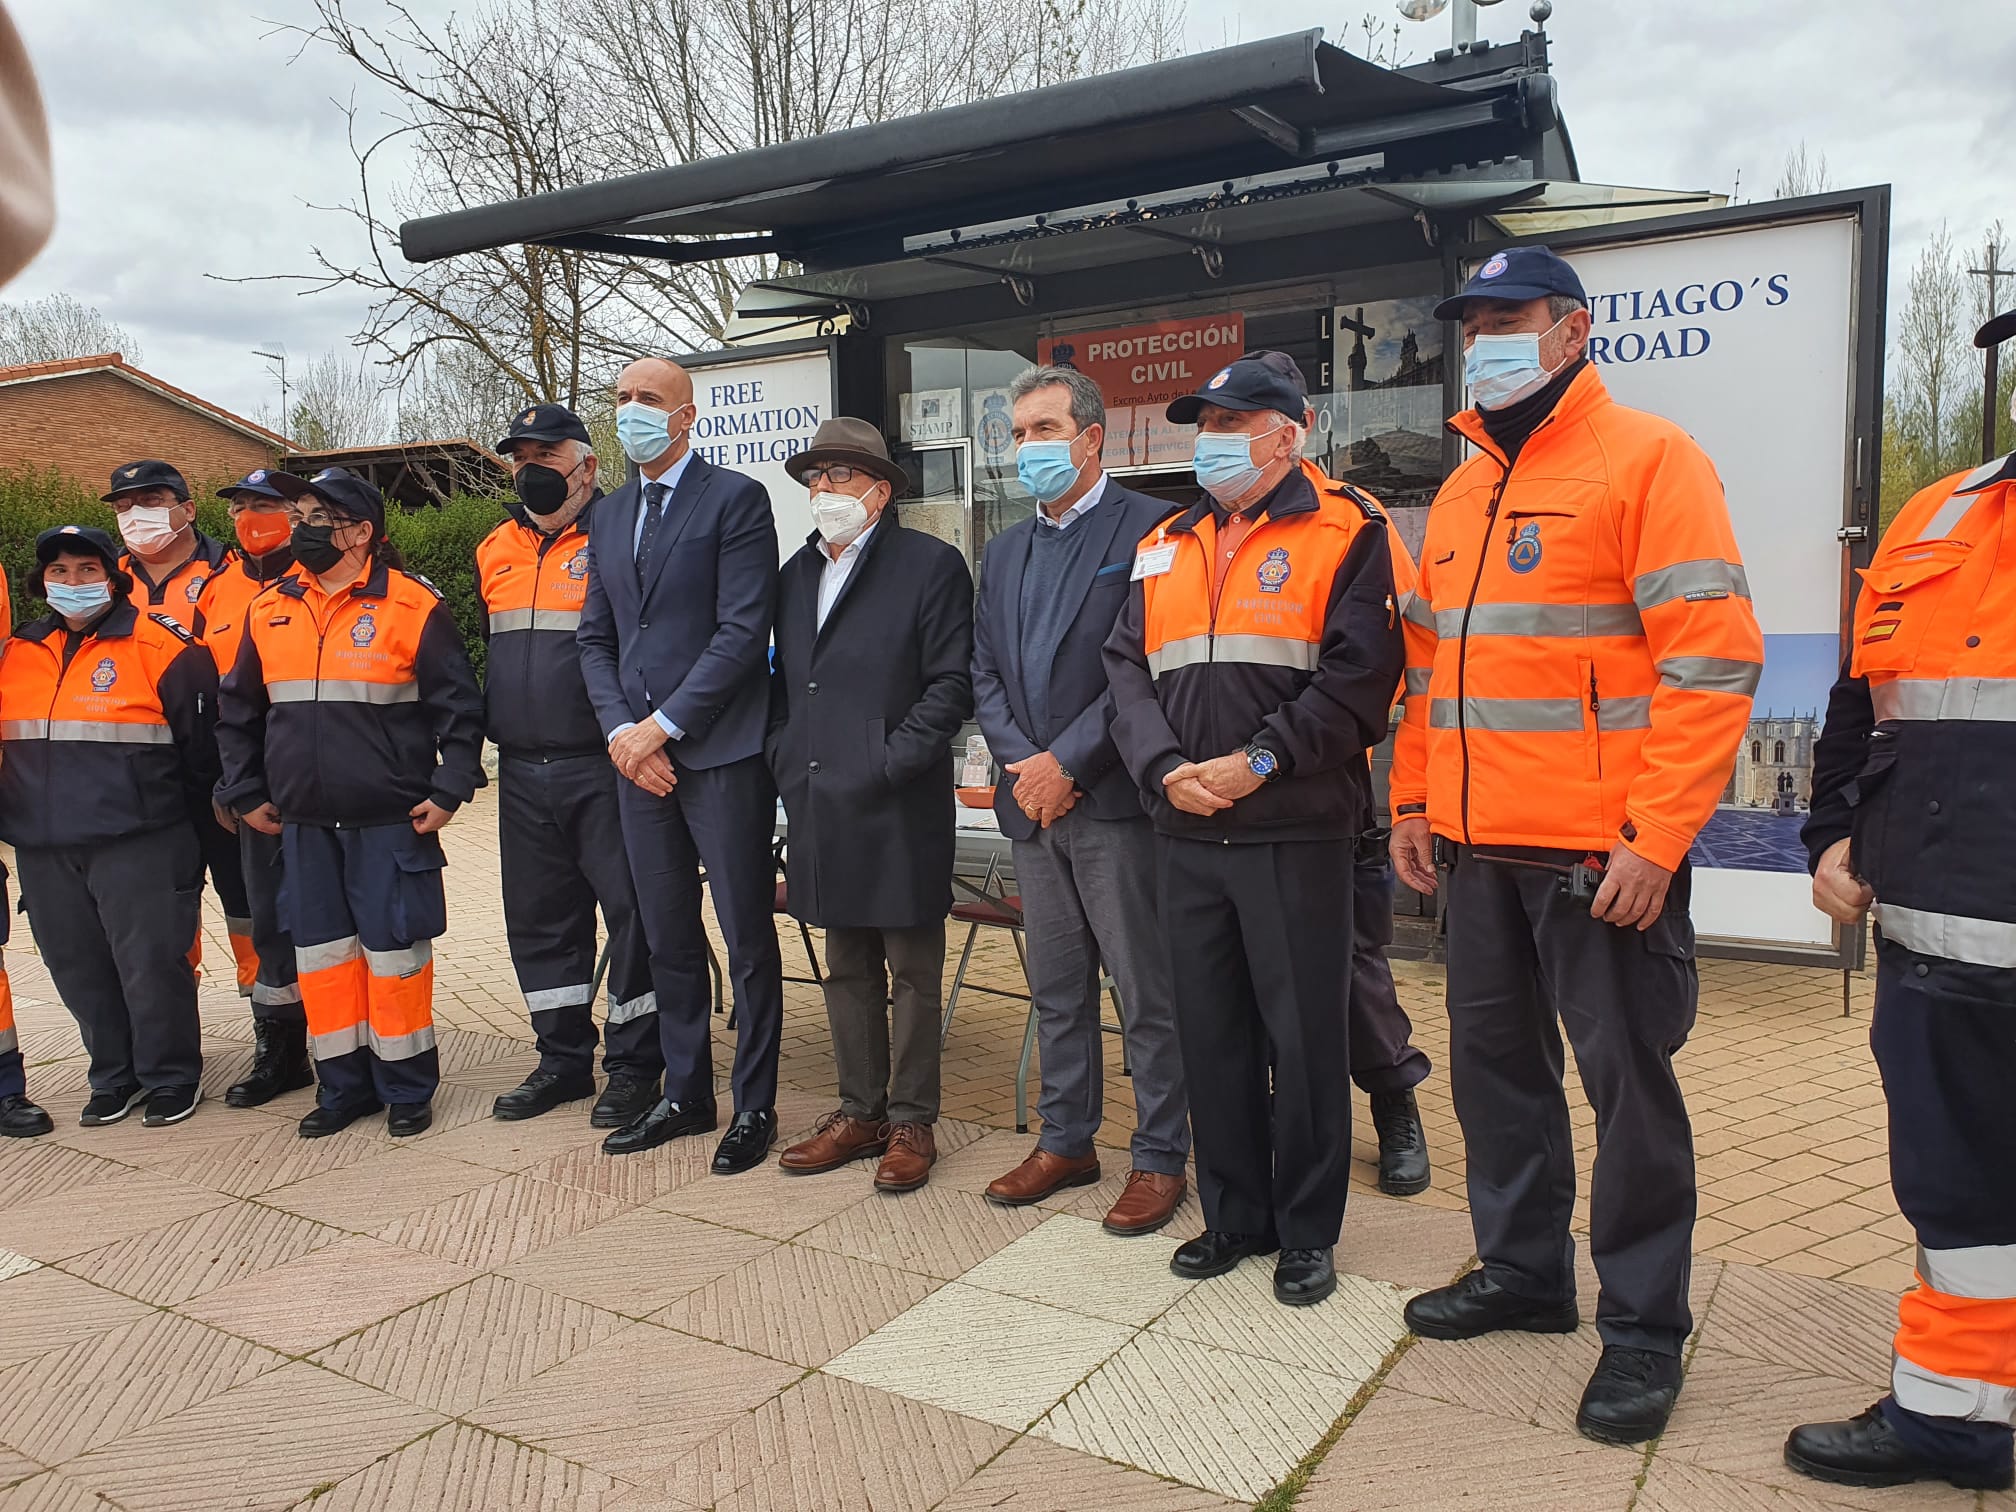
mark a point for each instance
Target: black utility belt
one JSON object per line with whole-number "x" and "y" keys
{"x": 1578, "y": 872}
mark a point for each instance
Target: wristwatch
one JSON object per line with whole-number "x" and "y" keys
{"x": 1265, "y": 764}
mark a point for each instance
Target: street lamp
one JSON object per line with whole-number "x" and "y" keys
{"x": 1463, "y": 25}
{"x": 279, "y": 355}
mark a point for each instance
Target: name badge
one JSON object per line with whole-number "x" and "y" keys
{"x": 1153, "y": 561}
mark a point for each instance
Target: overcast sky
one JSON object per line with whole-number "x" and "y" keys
{"x": 190, "y": 139}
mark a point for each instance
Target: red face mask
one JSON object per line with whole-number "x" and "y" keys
{"x": 261, "y": 530}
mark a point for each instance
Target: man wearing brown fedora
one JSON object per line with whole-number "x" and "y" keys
{"x": 874, "y": 643}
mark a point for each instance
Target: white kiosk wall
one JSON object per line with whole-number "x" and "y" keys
{"x": 757, "y": 411}
{"x": 1745, "y": 338}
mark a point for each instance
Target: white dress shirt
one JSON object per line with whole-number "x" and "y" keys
{"x": 1094, "y": 496}
{"x": 835, "y": 571}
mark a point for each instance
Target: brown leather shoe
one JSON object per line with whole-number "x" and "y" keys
{"x": 907, "y": 1165}
{"x": 1040, "y": 1175}
{"x": 836, "y": 1140}
{"x": 1148, "y": 1201}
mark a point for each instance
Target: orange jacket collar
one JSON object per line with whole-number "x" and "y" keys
{"x": 1585, "y": 395}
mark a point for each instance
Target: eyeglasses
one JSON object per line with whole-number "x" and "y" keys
{"x": 836, "y": 472}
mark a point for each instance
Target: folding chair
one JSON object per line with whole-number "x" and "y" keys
{"x": 991, "y": 906}
{"x": 782, "y": 906}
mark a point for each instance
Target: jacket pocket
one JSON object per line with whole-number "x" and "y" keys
{"x": 419, "y": 900}
{"x": 876, "y": 740}
{"x": 1903, "y": 594}
{"x": 1865, "y": 845}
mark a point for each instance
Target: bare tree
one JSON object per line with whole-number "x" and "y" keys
{"x": 1804, "y": 173}
{"x": 1378, "y": 40}
{"x": 337, "y": 402}
{"x": 528, "y": 96}
{"x": 57, "y": 326}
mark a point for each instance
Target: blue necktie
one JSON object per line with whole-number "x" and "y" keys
{"x": 655, "y": 495}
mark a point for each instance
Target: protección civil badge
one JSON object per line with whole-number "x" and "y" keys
{"x": 997, "y": 436}
{"x": 104, "y": 675}
{"x": 363, "y": 632}
{"x": 577, "y": 564}
{"x": 1523, "y": 555}
{"x": 1273, "y": 572}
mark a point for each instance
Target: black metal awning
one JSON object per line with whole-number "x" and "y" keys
{"x": 852, "y": 196}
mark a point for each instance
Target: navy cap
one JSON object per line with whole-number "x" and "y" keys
{"x": 265, "y": 483}
{"x": 1257, "y": 381}
{"x": 1517, "y": 273}
{"x": 146, "y": 474}
{"x": 545, "y": 422}
{"x": 349, "y": 494}
{"x": 81, "y": 540}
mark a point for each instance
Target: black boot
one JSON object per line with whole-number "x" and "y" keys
{"x": 22, "y": 1119}
{"x": 1403, "y": 1147}
{"x": 279, "y": 1064}
{"x": 1866, "y": 1451}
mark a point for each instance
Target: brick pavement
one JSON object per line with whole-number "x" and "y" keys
{"x": 490, "y": 1316}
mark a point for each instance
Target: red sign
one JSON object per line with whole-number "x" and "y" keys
{"x": 1149, "y": 364}
{"x": 1140, "y": 369}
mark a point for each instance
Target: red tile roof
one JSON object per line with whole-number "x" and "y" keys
{"x": 113, "y": 362}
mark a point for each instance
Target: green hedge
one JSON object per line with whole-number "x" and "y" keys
{"x": 438, "y": 543}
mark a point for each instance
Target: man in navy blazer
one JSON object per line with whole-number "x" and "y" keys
{"x": 1050, "y": 590}
{"x": 674, "y": 638}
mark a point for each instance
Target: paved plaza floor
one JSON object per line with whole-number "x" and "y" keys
{"x": 494, "y": 1317}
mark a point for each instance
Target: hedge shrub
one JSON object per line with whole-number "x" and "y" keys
{"x": 438, "y": 543}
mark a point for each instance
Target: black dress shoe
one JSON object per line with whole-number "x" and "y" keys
{"x": 407, "y": 1119}
{"x": 321, "y": 1122}
{"x": 279, "y": 1064}
{"x": 1866, "y": 1451}
{"x": 1213, "y": 1253}
{"x": 542, "y": 1092}
{"x": 747, "y": 1142}
{"x": 626, "y": 1099}
{"x": 22, "y": 1119}
{"x": 665, "y": 1122}
{"x": 1629, "y": 1396}
{"x": 1477, "y": 1305}
{"x": 1403, "y": 1148}
{"x": 1304, "y": 1277}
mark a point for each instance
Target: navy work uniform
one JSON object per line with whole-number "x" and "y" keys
{"x": 346, "y": 710}
{"x": 560, "y": 834}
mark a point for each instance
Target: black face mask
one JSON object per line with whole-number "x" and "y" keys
{"x": 542, "y": 489}
{"x": 313, "y": 549}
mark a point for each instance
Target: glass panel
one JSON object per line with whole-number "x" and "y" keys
{"x": 935, "y": 500}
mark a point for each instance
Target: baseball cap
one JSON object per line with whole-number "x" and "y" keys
{"x": 1517, "y": 273}
{"x": 265, "y": 483}
{"x": 343, "y": 490}
{"x": 1257, "y": 381}
{"x": 544, "y": 422}
{"x": 146, "y": 474}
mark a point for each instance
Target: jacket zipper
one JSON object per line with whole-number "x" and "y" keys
{"x": 1463, "y": 642}
{"x": 1596, "y": 718}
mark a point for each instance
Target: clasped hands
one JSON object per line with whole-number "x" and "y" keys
{"x": 1209, "y": 787}
{"x": 639, "y": 754}
{"x": 1044, "y": 791}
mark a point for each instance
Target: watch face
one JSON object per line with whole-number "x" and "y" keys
{"x": 1261, "y": 761}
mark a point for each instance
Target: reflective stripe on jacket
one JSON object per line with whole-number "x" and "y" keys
{"x": 106, "y": 734}
{"x": 533, "y": 585}
{"x": 1582, "y": 647}
{"x": 1920, "y": 739}
{"x": 351, "y": 708}
{"x": 1300, "y": 652}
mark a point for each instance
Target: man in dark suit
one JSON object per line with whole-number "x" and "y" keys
{"x": 674, "y": 645}
{"x": 874, "y": 647}
{"x": 1050, "y": 589}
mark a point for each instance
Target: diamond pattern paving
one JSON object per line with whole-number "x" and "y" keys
{"x": 119, "y": 1381}
{"x": 463, "y": 1469}
{"x": 263, "y": 1445}
{"x": 967, "y": 1357}
{"x": 470, "y": 1345}
{"x": 839, "y": 1447}
{"x": 798, "y": 1304}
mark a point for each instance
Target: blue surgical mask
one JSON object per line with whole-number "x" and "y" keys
{"x": 1223, "y": 461}
{"x": 645, "y": 433}
{"x": 1046, "y": 469}
{"x": 1502, "y": 370}
{"x": 78, "y": 600}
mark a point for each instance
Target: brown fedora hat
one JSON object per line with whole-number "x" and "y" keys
{"x": 854, "y": 442}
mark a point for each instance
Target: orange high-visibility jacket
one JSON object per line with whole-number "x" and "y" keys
{"x": 533, "y": 585}
{"x": 1582, "y": 649}
{"x": 181, "y": 594}
{"x": 227, "y": 599}
{"x": 1299, "y": 651}
{"x": 107, "y": 733}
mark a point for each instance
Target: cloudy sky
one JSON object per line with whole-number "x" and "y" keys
{"x": 193, "y": 137}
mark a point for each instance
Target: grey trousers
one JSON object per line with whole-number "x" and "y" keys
{"x": 885, "y": 989}
{"x": 113, "y": 923}
{"x": 1088, "y": 895}
{"x": 1526, "y": 963}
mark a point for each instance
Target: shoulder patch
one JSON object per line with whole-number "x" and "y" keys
{"x": 427, "y": 585}
{"x": 173, "y": 626}
{"x": 1363, "y": 500}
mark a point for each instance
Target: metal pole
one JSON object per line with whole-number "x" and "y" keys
{"x": 1463, "y": 22}
{"x": 1991, "y": 376}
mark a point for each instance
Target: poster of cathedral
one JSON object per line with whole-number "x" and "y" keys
{"x": 1756, "y": 825}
